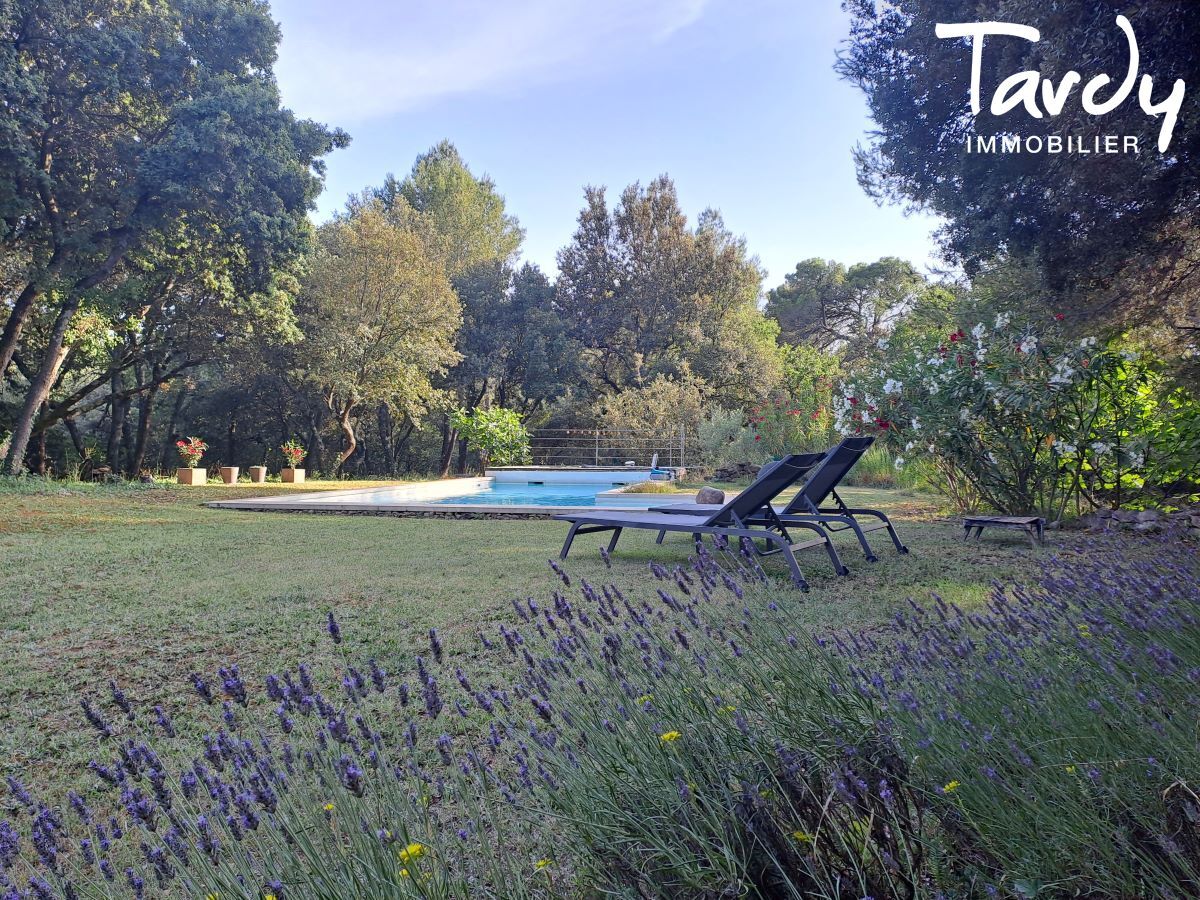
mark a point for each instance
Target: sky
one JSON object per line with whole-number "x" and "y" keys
{"x": 735, "y": 99}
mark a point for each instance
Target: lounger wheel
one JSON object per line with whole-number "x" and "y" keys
{"x": 903, "y": 549}
{"x": 845, "y": 570}
{"x": 872, "y": 558}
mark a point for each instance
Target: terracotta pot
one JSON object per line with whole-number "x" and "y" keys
{"x": 258, "y": 474}
{"x": 191, "y": 476}
{"x": 292, "y": 476}
{"x": 229, "y": 474}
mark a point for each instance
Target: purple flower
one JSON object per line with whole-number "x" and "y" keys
{"x": 435, "y": 645}
{"x": 335, "y": 630}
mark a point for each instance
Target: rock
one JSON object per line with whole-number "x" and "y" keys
{"x": 1194, "y": 521}
{"x": 1148, "y": 515}
{"x": 1147, "y": 527}
{"x": 710, "y": 495}
{"x": 1104, "y": 512}
{"x": 146, "y": 479}
{"x": 1124, "y": 515}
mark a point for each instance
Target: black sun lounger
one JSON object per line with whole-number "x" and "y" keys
{"x": 819, "y": 487}
{"x": 731, "y": 521}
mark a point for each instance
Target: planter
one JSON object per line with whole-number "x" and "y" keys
{"x": 291, "y": 476}
{"x": 229, "y": 474}
{"x": 258, "y": 474}
{"x": 191, "y": 476}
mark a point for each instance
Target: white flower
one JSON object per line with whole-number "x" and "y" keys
{"x": 916, "y": 424}
{"x": 932, "y": 448}
{"x": 899, "y": 463}
{"x": 979, "y": 331}
{"x": 1028, "y": 344}
{"x": 882, "y": 343}
{"x": 908, "y": 447}
{"x": 1002, "y": 320}
{"x": 1129, "y": 355}
{"x": 1087, "y": 342}
{"x": 1065, "y": 447}
{"x": 1101, "y": 447}
{"x": 934, "y": 361}
{"x": 892, "y": 386}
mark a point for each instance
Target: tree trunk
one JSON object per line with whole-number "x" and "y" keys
{"x": 39, "y": 388}
{"x": 116, "y": 419}
{"x": 316, "y": 444}
{"x": 349, "y": 440}
{"x": 386, "y": 427}
{"x": 448, "y": 439}
{"x": 76, "y": 437}
{"x": 40, "y": 449}
{"x": 11, "y": 336}
{"x": 145, "y": 416}
{"x": 164, "y": 461}
{"x": 462, "y": 457}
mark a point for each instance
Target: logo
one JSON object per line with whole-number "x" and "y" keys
{"x": 1041, "y": 97}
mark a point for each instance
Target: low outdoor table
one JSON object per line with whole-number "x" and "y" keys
{"x": 1034, "y": 526}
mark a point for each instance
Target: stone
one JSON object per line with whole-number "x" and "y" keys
{"x": 735, "y": 472}
{"x": 146, "y": 479}
{"x": 1124, "y": 515}
{"x": 1148, "y": 515}
{"x": 710, "y": 495}
{"x": 1148, "y": 527}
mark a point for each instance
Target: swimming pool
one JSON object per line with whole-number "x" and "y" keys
{"x": 565, "y": 494}
{"x": 533, "y": 493}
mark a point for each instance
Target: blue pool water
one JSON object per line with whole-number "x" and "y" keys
{"x": 532, "y": 495}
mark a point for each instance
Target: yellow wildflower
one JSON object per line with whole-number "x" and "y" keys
{"x": 412, "y": 852}
{"x": 1084, "y": 631}
{"x": 328, "y": 807}
{"x": 1070, "y": 770}
{"x": 729, "y": 709}
{"x": 645, "y": 698}
{"x": 951, "y": 787}
{"x": 269, "y": 897}
{"x": 802, "y": 837}
{"x": 541, "y": 864}
{"x": 404, "y": 873}
{"x": 668, "y": 737}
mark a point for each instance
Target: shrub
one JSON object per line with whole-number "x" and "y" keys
{"x": 294, "y": 452}
{"x": 649, "y": 487}
{"x": 496, "y": 434}
{"x": 191, "y": 451}
{"x": 1030, "y": 420}
{"x": 724, "y": 438}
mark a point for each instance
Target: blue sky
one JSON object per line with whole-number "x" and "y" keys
{"x": 737, "y": 101}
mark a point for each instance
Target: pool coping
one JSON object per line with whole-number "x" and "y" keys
{"x": 307, "y": 503}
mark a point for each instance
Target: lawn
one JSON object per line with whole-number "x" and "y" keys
{"x": 144, "y": 584}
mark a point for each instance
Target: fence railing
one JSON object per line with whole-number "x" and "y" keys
{"x": 607, "y": 447}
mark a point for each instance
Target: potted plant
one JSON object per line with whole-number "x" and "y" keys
{"x": 258, "y": 474}
{"x": 229, "y": 474}
{"x": 294, "y": 451}
{"x": 191, "y": 451}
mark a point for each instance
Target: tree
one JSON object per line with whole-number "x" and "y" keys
{"x": 126, "y": 121}
{"x": 379, "y": 318}
{"x": 462, "y": 220}
{"x": 1113, "y": 233}
{"x": 828, "y": 306}
{"x": 645, "y": 295}
{"x": 496, "y": 434}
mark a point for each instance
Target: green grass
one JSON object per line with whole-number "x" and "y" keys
{"x": 145, "y": 584}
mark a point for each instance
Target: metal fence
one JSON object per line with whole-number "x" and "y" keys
{"x": 607, "y": 447}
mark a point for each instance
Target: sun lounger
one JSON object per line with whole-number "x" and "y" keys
{"x": 730, "y": 521}
{"x": 819, "y": 487}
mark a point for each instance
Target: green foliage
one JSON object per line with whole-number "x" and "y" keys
{"x": 662, "y": 406}
{"x": 825, "y": 305}
{"x": 647, "y": 296}
{"x": 496, "y": 434}
{"x": 1030, "y": 419}
{"x": 1111, "y": 237}
{"x": 724, "y": 438}
{"x": 379, "y": 318}
{"x": 650, "y": 487}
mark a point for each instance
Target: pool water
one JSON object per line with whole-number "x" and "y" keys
{"x": 516, "y": 494}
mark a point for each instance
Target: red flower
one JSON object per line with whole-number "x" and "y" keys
{"x": 758, "y": 437}
{"x": 1058, "y": 317}
{"x": 854, "y": 401}
{"x": 954, "y": 338}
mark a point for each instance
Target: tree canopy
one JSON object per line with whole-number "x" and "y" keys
{"x": 1113, "y": 234}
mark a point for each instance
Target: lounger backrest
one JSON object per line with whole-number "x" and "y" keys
{"x": 771, "y": 479}
{"x": 829, "y": 474}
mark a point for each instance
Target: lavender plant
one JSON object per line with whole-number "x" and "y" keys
{"x": 694, "y": 741}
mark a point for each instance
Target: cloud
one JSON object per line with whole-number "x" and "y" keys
{"x": 353, "y": 60}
